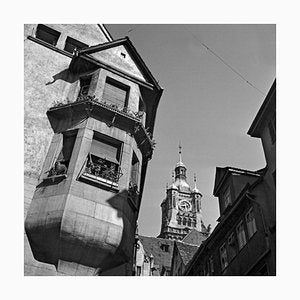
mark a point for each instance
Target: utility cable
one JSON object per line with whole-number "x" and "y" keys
{"x": 223, "y": 61}
{"x": 133, "y": 28}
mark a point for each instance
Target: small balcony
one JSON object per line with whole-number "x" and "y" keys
{"x": 88, "y": 106}
{"x": 102, "y": 171}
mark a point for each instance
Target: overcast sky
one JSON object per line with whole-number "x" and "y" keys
{"x": 205, "y": 105}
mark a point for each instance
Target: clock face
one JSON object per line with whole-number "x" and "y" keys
{"x": 184, "y": 205}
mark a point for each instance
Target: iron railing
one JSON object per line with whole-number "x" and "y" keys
{"x": 104, "y": 169}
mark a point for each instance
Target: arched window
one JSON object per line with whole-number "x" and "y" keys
{"x": 189, "y": 223}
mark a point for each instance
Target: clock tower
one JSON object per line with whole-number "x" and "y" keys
{"x": 181, "y": 208}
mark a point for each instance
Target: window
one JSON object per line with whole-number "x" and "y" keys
{"x": 227, "y": 197}
{"x": 61, "y": 164}
{"x": 72, "y": 44}
{"x": 85, "y": 83}
{"x": 241, "y": 236}
{"x": 184, "y": 221}
{"x": 198, "y": 205}
{"x": 47, "y": 34}
{"x": 115, "y": 93}
{"x": 164, "y": 247}
{"x": 223, "y": 256}
{"x": 103, "y": 162}
{"x": 141, "y": 113}
{"x": 179, "y": 221}
{"x": 232, "y": 246}
{"x": 189, "y": 223}
{"x": 134, "y": 174}
{"x": 250, "y": 221}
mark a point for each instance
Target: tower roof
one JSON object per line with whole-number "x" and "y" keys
{"x": 180, "y": 163}
{"x": 195, "y": 189}
{"x": 172, "y": 186}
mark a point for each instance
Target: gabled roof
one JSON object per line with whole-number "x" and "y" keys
{"x": 83, "y": 61}
{"x": 153, "y": 245}
{"x": 268, "y": 104}
{"x": 132, "y": 51}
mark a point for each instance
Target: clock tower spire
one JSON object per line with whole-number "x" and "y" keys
{"x": 181, "y": 208}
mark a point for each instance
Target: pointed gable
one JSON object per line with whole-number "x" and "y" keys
{"x": 122, "y": 55}
{"x": 120, "y": 58}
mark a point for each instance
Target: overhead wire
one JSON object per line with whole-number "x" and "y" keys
{"x": 223, "y": 61}
{"x": 216, "y": 55}
{"x": 133, "y": 28}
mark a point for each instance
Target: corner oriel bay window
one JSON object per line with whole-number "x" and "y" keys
{"x": 103, "y": 161}
{"x": 115, "y": 93}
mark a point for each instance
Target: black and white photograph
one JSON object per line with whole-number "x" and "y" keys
{"x": 150, "y": 149}
{"x": 143, "y": 140}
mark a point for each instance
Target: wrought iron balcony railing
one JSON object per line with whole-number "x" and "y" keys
{"x": 103, "y": 169}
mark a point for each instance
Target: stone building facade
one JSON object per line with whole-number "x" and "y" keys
{"x": 88, "y": 102}
{"x": 244, "y": 241}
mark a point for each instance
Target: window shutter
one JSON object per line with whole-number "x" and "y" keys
{"x": 114, "y": 94}
{"x": 105, "y": 150}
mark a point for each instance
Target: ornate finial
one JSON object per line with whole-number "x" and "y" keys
{"x": 173, "y": 176}
{"x": 180, "y": 151}
{"x": 195, "y": 179}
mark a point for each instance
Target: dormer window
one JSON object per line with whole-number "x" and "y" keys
{"x": 164, "y": 247}
{"x": 227, "y": 197}
{"x": 47, "y": 34}
{"x": 71, "y": 44}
